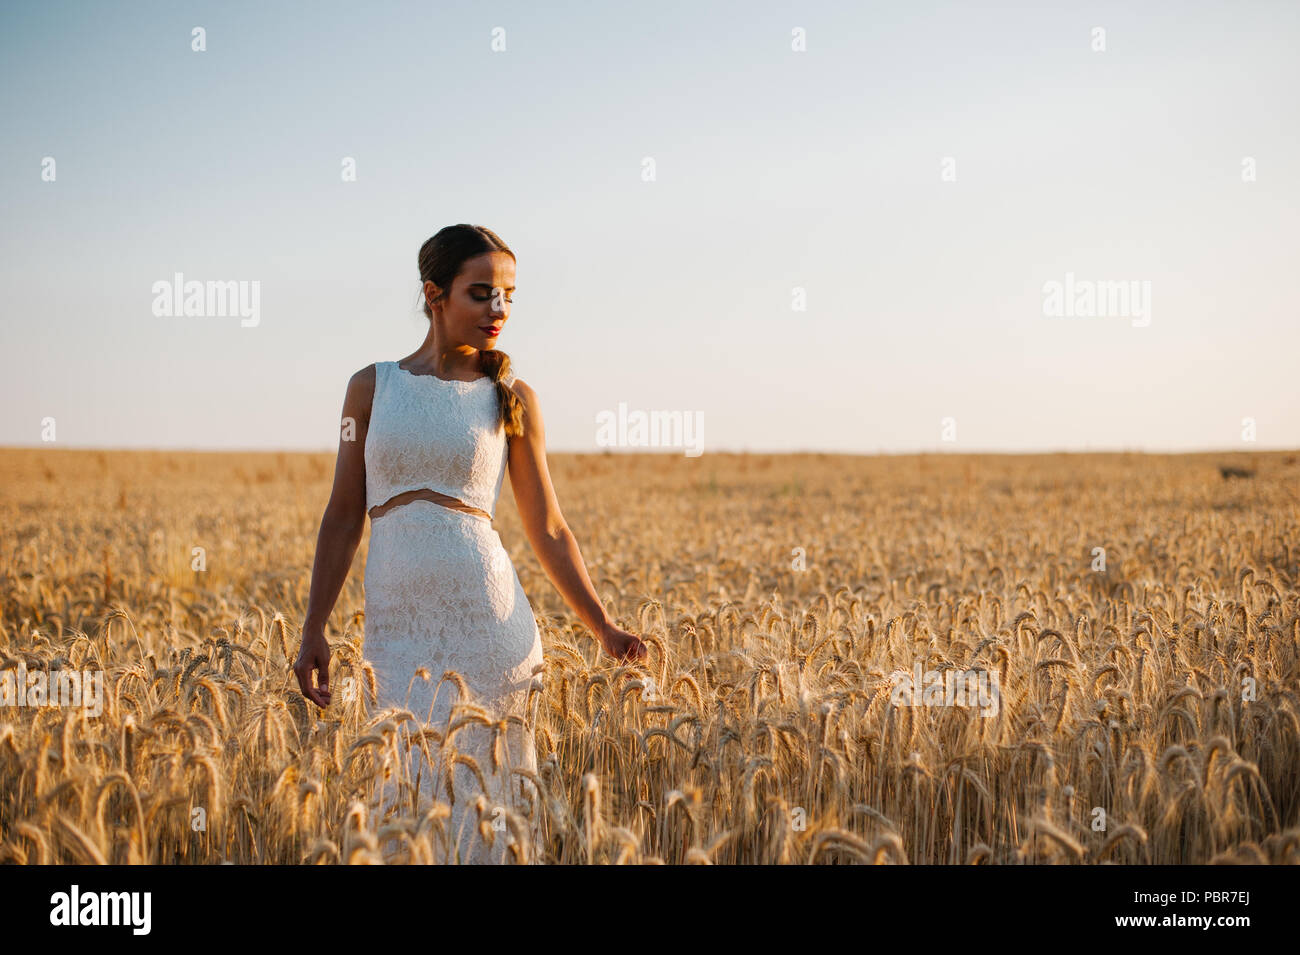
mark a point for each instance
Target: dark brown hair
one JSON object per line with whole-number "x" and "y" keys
{"x": 440, "y": 261}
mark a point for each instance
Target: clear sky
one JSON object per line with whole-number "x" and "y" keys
{"x": 775, "y": 169}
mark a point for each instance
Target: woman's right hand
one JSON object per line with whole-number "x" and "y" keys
{"x": 314, "y": 657}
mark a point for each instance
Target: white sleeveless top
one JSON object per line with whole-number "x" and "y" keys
{"x": 427, "y": 432}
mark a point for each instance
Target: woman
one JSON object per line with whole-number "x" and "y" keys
{"x": 434, "y": 434}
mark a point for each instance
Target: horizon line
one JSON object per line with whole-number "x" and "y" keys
{"x": 679, "y": 452}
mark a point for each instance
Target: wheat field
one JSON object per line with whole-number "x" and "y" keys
{"x": 1139, "y": 613}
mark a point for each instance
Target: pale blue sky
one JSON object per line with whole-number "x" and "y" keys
{"x": 775, "y": 169}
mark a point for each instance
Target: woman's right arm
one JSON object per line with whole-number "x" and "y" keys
{"x": 340, "y": 534}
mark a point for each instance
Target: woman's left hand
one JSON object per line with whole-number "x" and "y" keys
{"x": 622, "y": 644}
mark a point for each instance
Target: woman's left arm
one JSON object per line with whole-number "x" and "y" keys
{"x": 549, "y": 533}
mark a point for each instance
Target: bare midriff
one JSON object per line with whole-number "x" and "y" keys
{"x": 424, "y": 494}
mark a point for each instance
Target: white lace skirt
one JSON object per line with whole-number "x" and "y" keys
{"x": 442, "y": 594}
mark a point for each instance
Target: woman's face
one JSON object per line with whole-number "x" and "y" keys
{"x": 479, "y": 302}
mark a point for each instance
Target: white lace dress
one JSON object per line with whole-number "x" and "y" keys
{"x": 441, "y": 593}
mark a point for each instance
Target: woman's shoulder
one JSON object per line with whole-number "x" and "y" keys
{"x": 525, "y": 392}
{"x": 365, "y": 377}
{"x": 512, "y": 380}
{"x": 361, "y": 392}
